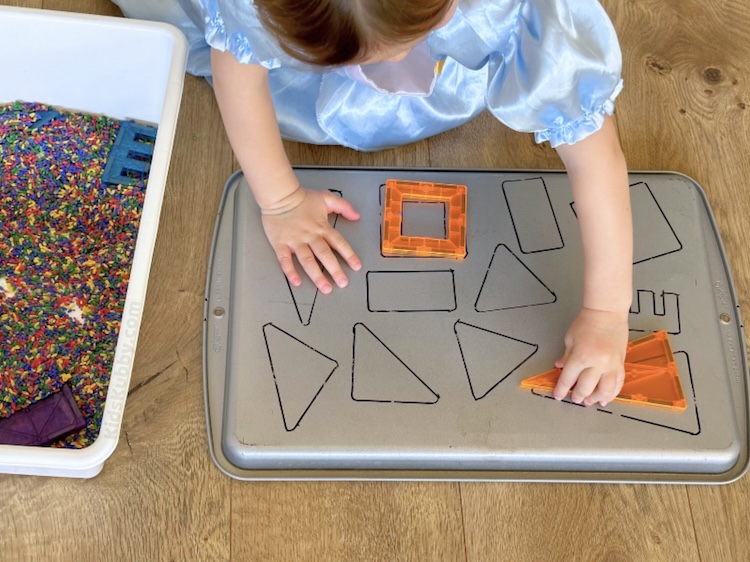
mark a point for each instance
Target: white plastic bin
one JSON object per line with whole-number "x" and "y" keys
{"x": 125, "y": 69}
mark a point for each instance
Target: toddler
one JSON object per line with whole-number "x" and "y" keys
{"x": 371, "y": 74}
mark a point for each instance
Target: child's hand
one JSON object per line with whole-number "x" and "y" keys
{"x": 302, "y": 228}
{"x": 594, "y": 357}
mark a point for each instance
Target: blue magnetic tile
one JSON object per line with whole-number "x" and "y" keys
{"x": 130, "y": 158}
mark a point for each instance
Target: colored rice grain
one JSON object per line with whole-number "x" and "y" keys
{"x": 66, "y": 247}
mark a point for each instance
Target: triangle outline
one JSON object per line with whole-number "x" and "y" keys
{"x": 510, "y": 255}
{"x": 295, "y": 425}
{"x": 505, "y": 376}
{"x": 649, "y": 361}
{"x": 305, "y": 317}
{"x": 397, "y": 358}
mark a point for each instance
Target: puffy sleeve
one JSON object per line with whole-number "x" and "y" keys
{"x": 560, "y": 72}
{"x": 225, "y": 25}
{"x": 233, "y": 25}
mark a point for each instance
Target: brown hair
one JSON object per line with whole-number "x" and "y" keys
{"x": 334, "y": 32}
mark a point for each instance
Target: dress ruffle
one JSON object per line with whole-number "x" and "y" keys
{"x": 577, "y": 130}
{"x": 548, "y": 67}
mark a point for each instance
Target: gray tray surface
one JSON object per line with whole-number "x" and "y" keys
{"x": 413, "y": 370}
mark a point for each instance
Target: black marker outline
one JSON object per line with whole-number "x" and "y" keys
{"x": 416, "y": 376}
{"x": 486, "y": 275}
{"x": 692, "y": 388}
{"x": 636, "y": 307}
{"x": 411, "y": 271}
{"x": 315, "y": 297}
{"x": 663, "y": 214}
{"x": 275, "y": 380}
{"x": 463, "y": 357}
{"x": 551, "y": 209}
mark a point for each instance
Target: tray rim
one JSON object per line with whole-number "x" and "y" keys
{"x": 583, "y": 477}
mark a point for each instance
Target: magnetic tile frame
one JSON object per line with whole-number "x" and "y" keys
{"x": 413, "y": 372}
{"x": 394, "y": 241}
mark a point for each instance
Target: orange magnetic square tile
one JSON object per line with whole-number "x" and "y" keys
{"x": 651, "y": 376}
{"x": 395, "y": 243}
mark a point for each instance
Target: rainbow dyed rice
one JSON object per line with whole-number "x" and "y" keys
{"x": 66, "y": 246}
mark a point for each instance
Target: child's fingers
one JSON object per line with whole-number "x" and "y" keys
{"x": 337, "y": 241}
{"x": 560, "y": 363}
{"x": 606, "y": 390}
{"x": 585, "y": 385}
{"x": 326, "y": 257}
{"x": 308, "y": 262}
{"x": 340, "y": 206}
{"x": 284, "y": 255}
{"x": 567, "y": 379}
{"x": 601, "y": 395}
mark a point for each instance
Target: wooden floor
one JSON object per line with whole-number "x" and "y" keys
{"x": 159, "y": 497}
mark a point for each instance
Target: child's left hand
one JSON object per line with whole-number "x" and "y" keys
{"x": 594, "y": 359}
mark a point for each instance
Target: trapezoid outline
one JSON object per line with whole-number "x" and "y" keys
{"x": 666, "y": 220}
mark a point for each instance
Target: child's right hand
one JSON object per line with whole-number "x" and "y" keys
{"x": 301, "y": 228}
{"x": 593, "y": 364}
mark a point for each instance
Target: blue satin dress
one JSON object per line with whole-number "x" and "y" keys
{"x": 551, "y": 67}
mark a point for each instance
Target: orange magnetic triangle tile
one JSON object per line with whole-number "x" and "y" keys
{"x": 651, "y": 376}
{"x": 663, "y": 389}
{"x": 548, "y": 379}
{"x": 542, "y": 381}
{"x": 653, "y": 349}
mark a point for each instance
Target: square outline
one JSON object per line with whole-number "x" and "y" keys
{"x": 393, "y": 243}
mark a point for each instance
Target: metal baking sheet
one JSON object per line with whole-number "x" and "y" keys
{"x": 413, "y": 370}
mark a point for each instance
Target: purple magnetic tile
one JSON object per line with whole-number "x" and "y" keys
{"x": 44, "y": 421}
